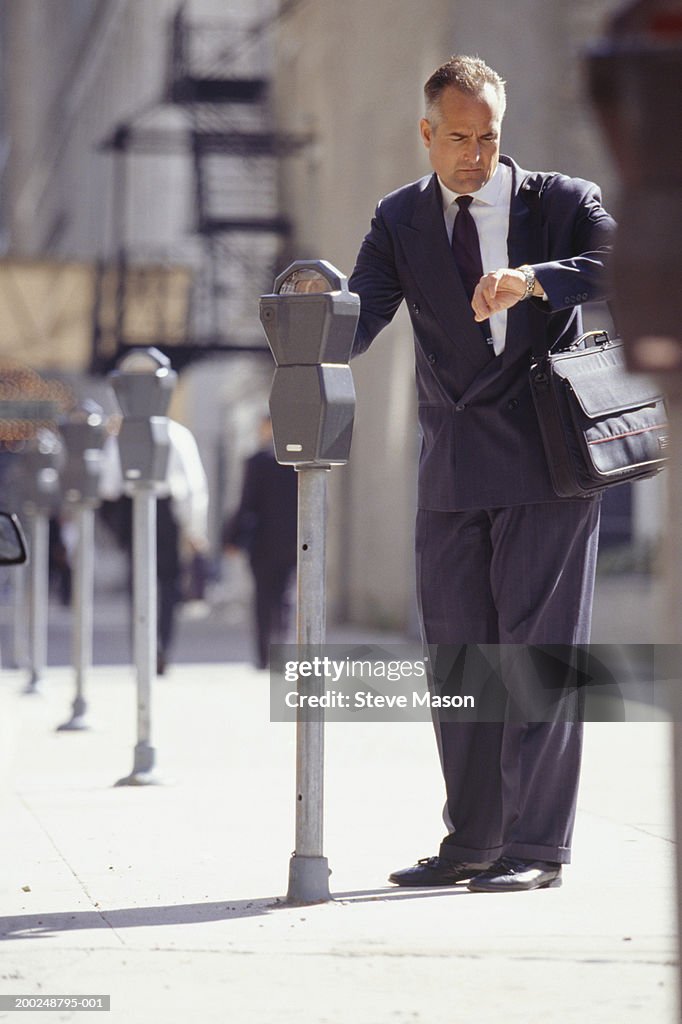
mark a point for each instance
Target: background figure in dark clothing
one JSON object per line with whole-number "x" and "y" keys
{"x": 264, "y": 526}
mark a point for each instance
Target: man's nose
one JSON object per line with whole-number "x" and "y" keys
{"x": 472, "y": 151}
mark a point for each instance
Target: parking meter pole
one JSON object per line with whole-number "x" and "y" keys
{"x": 144, "y": 630}
{"x": 83, "y": 433}
{"x": 38, "y": 599}
{"x": 308, "y": 868}
{"x": 143, "y": 383}
{"x": 20, "y": 617}
{"x": 82, "y": 607}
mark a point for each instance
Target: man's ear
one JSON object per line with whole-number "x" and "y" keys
{"x": 426, "y": 132}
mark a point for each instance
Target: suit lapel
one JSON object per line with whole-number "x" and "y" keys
{"x": 428, "y": 253}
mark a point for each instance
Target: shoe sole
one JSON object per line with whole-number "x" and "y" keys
{"x": 555, "y": 883}
{"x": 426, "y": 885}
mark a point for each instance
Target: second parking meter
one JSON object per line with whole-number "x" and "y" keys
{"x": 143, "y": 383}
{"x": 39, "y": 485}
{"x": 310, "y": 321}
{"x": 84, "y": 433}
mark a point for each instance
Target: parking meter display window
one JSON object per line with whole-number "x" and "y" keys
{"x": 305, "y": 282}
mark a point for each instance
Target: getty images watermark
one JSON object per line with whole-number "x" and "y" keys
{"x": 476, "y": 682}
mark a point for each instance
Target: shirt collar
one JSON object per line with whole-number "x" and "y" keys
{"x": 490, "y": 194}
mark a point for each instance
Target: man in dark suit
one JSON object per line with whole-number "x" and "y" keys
{"x": 491, "y": 260}
{"x": 264, "y": 526}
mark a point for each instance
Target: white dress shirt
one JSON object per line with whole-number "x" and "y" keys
{"x": 490, "y": 210}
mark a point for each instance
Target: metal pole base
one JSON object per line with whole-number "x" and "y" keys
{"x": 140, "y": 779}
{"x": 308, "y": 880}
{"x": 78, "y": 721}
{"x": 143, "y": 768}
{"x": 34, "y": 684}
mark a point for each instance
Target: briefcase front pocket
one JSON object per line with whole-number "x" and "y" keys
{"x": 613, "y": 445}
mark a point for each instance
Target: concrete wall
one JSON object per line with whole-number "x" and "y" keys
{"x": 353, "y": 73}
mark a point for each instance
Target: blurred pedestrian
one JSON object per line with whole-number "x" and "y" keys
{"x": 264, "y": 527}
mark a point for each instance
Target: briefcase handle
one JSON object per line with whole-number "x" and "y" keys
{"x": 590, "y": 339}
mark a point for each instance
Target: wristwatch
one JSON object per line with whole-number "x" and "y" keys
{"x": 529, "y": 275}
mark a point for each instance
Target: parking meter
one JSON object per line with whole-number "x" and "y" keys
{"x": 38, "y": 484}
{"x": 310, "y": 320}
{"x": 143, "y": 383}
{"x": 41, "y": 463}
{"x": 84, "y": 433}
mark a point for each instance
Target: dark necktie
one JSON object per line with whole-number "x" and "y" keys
{"x": 465, "y": 246}
{"x": 467, "y": 253}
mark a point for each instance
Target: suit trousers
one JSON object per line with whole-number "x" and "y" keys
{"x": 516, "y": 575}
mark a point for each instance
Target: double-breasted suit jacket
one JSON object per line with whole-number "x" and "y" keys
{"x": 481, "y": 444}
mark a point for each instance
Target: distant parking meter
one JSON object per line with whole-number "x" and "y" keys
{"x": 143, "y": 383}
{"x": 39, "y": 484}
{"x": 84, "y": 433}
{"x": 310, "y": 321}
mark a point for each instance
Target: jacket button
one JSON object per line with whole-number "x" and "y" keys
{"x": 460, "y": 407}
{"x": 513, "y": 403}
{"x": 567, "y": 299}
{"x": 431, "y": 357}
{"x": 416, "y": 307}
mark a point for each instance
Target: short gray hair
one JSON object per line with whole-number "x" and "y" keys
{"x": 469, "y": 75}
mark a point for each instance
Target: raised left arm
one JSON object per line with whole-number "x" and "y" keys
{"x": 566, "y": 281}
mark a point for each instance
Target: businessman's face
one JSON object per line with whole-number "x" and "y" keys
{"x": 463, "y": 138}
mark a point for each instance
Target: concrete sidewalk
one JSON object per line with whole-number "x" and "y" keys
{"x": 170, "y": 898}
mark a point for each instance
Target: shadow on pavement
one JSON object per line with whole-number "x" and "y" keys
{"x": 32, "y": 926}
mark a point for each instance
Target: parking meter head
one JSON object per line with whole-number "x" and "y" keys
{"x": 84, "y": 428}
{"x": 41, "y": 465}
{"x": 143, "y": 383}
{"x": 12, "y": 541}
{"x": 311, "y": 316}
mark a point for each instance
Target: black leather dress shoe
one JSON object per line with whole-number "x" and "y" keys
{"x": 435, "y": 871}
{"x": 511, "y": 874}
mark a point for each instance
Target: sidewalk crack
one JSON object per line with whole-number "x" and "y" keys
{"x": 94, "y": 903}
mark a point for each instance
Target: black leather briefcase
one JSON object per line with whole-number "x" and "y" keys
{"x": 600, "y": 424}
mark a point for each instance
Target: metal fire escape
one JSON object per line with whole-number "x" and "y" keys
{"x": 218, "y": 81}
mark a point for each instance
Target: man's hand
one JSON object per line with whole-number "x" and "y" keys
{"x": 497, "y": 291}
